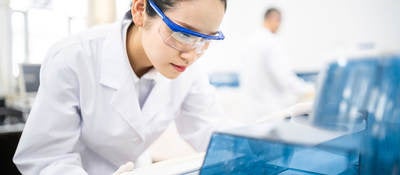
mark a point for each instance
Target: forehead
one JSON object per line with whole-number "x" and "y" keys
{"x": 275, "y": 14}
{"x": 204, "y": 16}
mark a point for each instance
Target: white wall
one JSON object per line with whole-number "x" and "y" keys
{"x": 5, "y": 48}
{"x": 101, "y": 12}
{"x": 60, "y": 17}
{"x": 312, "y": 30}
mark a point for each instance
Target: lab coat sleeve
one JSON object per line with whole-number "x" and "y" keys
{"x": 48, "y": 144}
{"x": 200, "y": 115}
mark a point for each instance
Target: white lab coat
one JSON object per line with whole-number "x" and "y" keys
{"x": 268, "y": 79}
{"x": 86, "y": 118}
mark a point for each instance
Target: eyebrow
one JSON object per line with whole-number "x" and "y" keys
{"x": 183, "y": 24}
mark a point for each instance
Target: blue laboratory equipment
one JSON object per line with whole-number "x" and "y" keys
{"x": 224, "y": 79}
{"x": 310, "y": 77}
{"x": 264, "y": 156}
{"x": 354, "y": 129}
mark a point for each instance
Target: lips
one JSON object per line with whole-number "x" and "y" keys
{"x": 179, "y": 68}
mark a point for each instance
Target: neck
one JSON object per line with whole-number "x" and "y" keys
{"x": 138, "y": 60}
{"x": 268, "y": 26}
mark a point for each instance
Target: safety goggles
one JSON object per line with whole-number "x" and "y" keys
{"x": 181, "y": 38}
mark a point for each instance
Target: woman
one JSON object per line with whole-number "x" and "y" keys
{"x": 107, "y": 94}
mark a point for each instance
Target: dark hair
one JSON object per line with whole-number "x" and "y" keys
{"x": 164, "y": 5}
{"x": 270, "y": 11}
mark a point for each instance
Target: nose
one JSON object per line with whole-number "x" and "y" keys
{"x": 189, "y": 57}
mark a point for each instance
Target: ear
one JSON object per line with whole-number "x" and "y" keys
{"x": 138, "y": 10}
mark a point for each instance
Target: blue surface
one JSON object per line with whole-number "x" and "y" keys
{"x": 243, "y": 155}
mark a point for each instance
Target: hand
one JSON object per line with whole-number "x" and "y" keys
{"x": 125, "y": 168}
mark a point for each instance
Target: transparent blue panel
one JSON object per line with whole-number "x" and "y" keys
{"x": 344, "y": 93}
{"x": 386, "y": 104}
{"x": 353, "y": 87}
{"x": 230, "y": 154}
{"x": 380, "y": 153}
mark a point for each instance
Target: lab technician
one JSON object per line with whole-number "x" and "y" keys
{"x": 268, "y": 80}
{"x": 108, "y": 93}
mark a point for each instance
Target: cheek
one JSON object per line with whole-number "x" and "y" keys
{"x": 277, "y": 23}
{"x": 156, "y": 50}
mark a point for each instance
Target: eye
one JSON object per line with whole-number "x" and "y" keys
{"x": 184, "y": 36}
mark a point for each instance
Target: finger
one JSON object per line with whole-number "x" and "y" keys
{"x": 129, "y": 166}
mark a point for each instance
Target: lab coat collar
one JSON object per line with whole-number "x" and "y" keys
{"x": 269, "y": 34}
{"x": 113, "y": 62}
{"x": 117, "y": 73}
{"x": 125, "y": 101}
{"x": 152, "y": 74}
{"x": 115, "y": 66}
{"x": 263, "y": 32}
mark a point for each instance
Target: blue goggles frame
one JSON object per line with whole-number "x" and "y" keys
{"x": 177, "y": 28}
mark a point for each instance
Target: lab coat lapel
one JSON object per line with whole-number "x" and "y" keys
{"x": 158, "y": 98}
{"x": 117, "y": 74}
{"x": 125, "y": 102}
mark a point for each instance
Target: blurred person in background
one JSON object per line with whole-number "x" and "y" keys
{"x": 268, "y": 79}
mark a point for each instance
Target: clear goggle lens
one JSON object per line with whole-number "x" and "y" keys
{"x": 183, "y": 42}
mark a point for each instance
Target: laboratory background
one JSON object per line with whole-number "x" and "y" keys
{"x": 322, "y": 43}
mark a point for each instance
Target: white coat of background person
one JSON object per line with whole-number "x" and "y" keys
{"x": 268, "y": 79}
{"x": 108, "y": 93}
